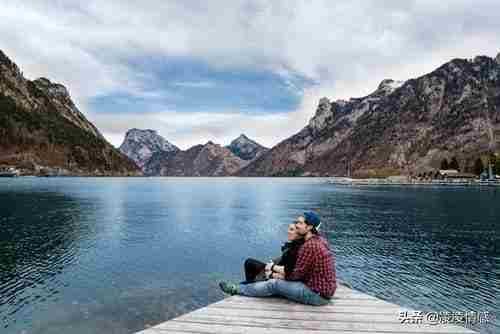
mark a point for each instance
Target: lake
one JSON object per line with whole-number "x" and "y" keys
{"x": 113, "y": 255}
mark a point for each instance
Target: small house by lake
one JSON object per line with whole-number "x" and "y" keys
{"x": 447, "y": 176}
{"x": 7, "y": 171}
{"x": 452, "y": 174}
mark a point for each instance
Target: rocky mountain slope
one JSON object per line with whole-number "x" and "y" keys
{"x": 200, "y": 160}
{"x": 140, "y": 145}
{"x": 246, "y": 148}
{"x": 43, "y": 132}
{"x": 402, "y": 127}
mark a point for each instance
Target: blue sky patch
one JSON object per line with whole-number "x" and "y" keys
{"x": 187, "y": 85}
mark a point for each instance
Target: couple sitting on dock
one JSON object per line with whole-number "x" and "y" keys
{"x": 304, "y": 273}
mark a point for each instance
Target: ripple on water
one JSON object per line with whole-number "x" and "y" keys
{"x": 116, "y": 255}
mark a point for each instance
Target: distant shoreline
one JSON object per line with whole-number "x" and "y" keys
{"x": 340, "y": 181}
{"x": 385, "y": 182}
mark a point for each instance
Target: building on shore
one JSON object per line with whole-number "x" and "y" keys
{"x": 445, "y": 175}
{"x": 8, "y": 171}
{"x": 448, "y": 172}
{"x": 453, "y": 175}
{"x": 460, "y": 176}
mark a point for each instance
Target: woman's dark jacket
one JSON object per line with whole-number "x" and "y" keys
{"x": 254, "y": 269}
{"x": 289, "y": 252}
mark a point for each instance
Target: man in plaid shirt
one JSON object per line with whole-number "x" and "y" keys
{"x": 313, "y": 280}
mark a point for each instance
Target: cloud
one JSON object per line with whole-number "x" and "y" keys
{"x": 344, "y": 48}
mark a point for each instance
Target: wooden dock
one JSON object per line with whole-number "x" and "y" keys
{"x": 349, "y": 312}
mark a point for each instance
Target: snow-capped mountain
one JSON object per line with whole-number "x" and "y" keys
{"x": 140, "y": 145}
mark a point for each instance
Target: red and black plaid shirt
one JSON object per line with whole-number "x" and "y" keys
{"x": 316, "y": 267}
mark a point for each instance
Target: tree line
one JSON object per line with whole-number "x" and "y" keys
{"x": 480, "y": 164}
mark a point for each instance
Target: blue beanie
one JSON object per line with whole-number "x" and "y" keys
{"x": 312, "y": 219}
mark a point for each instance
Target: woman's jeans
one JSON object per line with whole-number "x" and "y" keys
{"x": 296, "y": 291}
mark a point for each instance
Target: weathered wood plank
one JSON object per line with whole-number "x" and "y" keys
{"x": 284, "y": 314}
{"x": 349, "y": 312}
{"x": 221, "y": 329}
{"x": 215, "y": 328}
{"x": 192, "y": 321}
{"x": 277, "y": 303}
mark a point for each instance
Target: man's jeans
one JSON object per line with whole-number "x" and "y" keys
{"x": 296, "y": 291}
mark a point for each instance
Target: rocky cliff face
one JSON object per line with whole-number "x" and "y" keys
{"x": 200, "y": 160}
{"x": 42, "y": 130}
{"x": 246, "y": 148}
{"x": 140, "y": 145}
{"x": 402, "y": 127}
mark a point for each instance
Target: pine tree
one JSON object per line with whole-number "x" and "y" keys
{"x": 454, "y": 164}
{"x": 493, "y": 162}
{"x": 478, "y": 166}
{"x": 444, "y": 164}
{"x": 496, "y": 166}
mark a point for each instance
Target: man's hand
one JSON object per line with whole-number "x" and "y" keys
{"x": 279, "y": 269}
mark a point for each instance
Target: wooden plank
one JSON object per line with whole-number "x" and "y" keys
{"x": 218, "y": 329}
{"x": 366, "y": 306}
{"x": 284, "y": 314}
{"x": 350, "y": 312}
{"x": 214, "y": 328}
{"x": 191, "y": 321}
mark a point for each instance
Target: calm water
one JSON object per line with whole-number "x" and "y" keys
{"x": 112, "y": 255}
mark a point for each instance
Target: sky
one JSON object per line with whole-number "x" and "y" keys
{"x": 197, "y": 71}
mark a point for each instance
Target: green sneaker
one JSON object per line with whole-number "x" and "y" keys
{"x": 230, "y": 289}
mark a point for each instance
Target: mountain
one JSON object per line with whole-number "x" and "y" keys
{"x": 246, "y": 148}
{"x": 200, "y": 160}
{"x": 43, "y": 132}
{"x": 140, "y": 145}
{"x": 401, "y": 128}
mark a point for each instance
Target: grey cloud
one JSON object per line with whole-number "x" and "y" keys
{"x": 305, "y": 37}
{"x": 347, "y": 47}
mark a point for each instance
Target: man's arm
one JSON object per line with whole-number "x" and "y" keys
{"x": 305, "y": 261}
